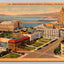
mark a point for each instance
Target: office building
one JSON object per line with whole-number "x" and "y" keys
{"x": 52, "y": 33}
{"x": 34, "y": 34}
{"x": 16, "y": 44}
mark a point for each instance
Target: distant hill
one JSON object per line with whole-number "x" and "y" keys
{"x": 52, "y": 14}
{"x": 56, "y": 13}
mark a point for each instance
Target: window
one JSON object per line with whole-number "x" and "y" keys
{"x": 11, "y": 45}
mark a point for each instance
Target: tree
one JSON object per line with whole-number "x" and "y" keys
{"x": 28, "y": 42}
{"x": 0, "y": 55}
{"x": 57, "y": 49}
{"x": 31, "y": 27}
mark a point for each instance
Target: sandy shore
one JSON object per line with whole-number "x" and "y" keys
{"x": 54, "y": 22}
{"x": 39, "y": 26}
{"x": 44, "y": 26}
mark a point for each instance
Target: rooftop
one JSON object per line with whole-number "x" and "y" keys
{"x": 8, "y": 22}
{"x": 15, "y": 40}
{"x": 18, "y": 38}
{"x": 63, "y": 8}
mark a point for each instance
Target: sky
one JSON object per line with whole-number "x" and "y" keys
{"x": 31, "y": 0}
{"x": 33, "y": 9}
{"x": 30, "y": 10}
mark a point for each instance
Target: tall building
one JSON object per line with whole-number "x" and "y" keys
{"x": 61, "y": 16}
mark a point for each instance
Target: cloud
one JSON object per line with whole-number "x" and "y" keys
{"x": 15, "y": 8}
{"x": 25, "y": 8}
{"x": 1, "y": 9}
{"x": 53, "y": 9}
{"x": 21, "y": 11}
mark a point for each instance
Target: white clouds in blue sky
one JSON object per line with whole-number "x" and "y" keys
{"x": 31, "y": 0}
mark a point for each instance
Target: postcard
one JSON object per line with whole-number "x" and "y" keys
{"x": 32, "y": 31}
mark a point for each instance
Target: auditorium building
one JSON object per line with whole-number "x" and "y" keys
{"x": 10, "y": 25}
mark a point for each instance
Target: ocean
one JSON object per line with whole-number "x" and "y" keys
{"x": 28, "y": 18}
{"x": 22, "y": 12}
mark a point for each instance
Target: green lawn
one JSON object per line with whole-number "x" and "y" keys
{"x": 29, "y": 29}
{"x": 61, "y": 56}
{"x": 6, "y": 34}
{"x": 30, "y": 48}
{"x": 37, "y": 44}
{"x": 43, "y": 40}
{"x": 11, "y": 56}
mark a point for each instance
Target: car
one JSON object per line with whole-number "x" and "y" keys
{"x": 39, "y": 48}
{"x": 53, "y": 41}
{"x": 22, "y": 53}
{"x": 45, "y": 45}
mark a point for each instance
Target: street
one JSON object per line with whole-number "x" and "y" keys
{"x": 45, "y": 52}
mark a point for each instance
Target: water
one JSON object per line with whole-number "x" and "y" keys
{"x": 6, "y": 11}
{"x": 26, "y": 19}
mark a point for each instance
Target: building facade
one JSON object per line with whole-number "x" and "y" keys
{"x": 17, "y": 43}
{"x": 17, "y": 34}
{"x": 4, "y": 42}
{"x": 35, "y": 35}
{"x": 61, "y": 16}
{"x": 10, "y": 25}
{"x": 52, "y": 33}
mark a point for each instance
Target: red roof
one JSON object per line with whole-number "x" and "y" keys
{"x": 62, "y": 7}
{"x": 15, "y": 41}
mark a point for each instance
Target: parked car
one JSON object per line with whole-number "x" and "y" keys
{"x": 22, "y": 53}
{"x": 45, "y": 45}
{"x": 39, "y": 48}
{"x": 53, "y": 41}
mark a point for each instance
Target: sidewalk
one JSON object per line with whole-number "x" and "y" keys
{"x": 35, "y": 49}
{"x": 41, "y": 45}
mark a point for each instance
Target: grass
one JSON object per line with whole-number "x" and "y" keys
{"x": 43, "y": 40}
{"x": 6, "y": 34}
{"x": 11, "y": 56}
{"x": 61, "y": 56}
{"x": 30, "y": 48}
{"x": 37, "y": 44}
{"x": 29, "y": 29}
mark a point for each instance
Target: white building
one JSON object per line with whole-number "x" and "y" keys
{"x": 35, "y": 35}
{"x": 4, "y": 42}
{"x": 52, "y": 33}
{"x": 62, "y": 32}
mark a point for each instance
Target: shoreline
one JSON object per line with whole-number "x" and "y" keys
{"x": 46, "y": 23}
